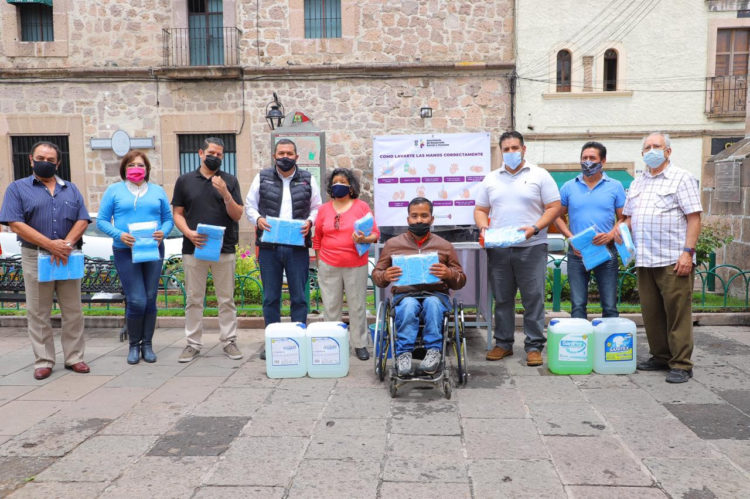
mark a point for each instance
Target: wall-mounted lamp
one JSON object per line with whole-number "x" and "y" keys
{"x": 425, "y": 112}
{"x": 275, "y": 112}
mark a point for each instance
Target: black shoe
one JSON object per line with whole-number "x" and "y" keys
{"x": 679, "y": 375}
{"x": 362, "y": 353}
{"x": 652, "y": 364}
{"x": 263, "y": 354}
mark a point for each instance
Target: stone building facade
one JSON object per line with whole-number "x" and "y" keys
{"x": 125, "y": 65}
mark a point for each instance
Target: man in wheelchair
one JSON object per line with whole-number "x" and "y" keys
{"x": 425, "y": 302}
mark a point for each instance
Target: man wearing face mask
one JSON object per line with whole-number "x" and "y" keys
{"x": 288, "y": 192}
{"x": 208, "y": 196}
{"x": 664, "y": 214}
{"x": 518, "y": 194}
{"x": 48, "y": 214}
{"x": 592, "y": 199}
{"x": 425, "y": 301}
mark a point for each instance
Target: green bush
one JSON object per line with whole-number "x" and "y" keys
{"x": 712, "y": 237}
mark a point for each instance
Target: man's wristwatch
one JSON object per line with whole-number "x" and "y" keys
{"x": 689, "y": 250}
{"x": 536, "y": 229}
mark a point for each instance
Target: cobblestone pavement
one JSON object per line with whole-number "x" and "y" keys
{"x": 221, "y": 428}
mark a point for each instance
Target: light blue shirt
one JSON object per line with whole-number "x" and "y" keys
{"x": 587, "y": 207}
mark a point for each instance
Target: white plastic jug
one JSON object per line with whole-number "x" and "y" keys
{"x": 286, "y": 350}
{"x": 327, "y": 350}
{"x": 614, "y": 345}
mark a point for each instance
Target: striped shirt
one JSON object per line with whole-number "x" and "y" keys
{"x": 658, "y": 206}
{"x": 27, "y": 200}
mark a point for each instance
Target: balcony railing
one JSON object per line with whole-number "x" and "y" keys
{"x": 726, "y": 96}
{"x": 207, "y": 46}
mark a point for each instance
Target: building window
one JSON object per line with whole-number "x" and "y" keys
{"x": 322, "y": 18}
{"x": 732, "y": 50}
{"x": 206, "y": 38}
{"x": 563, "y": 71}
{"x": 36, "y": 22}
{"x": 189, "y": 145}
{"x": 610, "y": 70}
{"x": 21, "y": 150}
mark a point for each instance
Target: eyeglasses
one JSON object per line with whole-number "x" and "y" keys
{"x": 649, "y": 148}
{"x": 337, "y": 221}
{"x": 136, "y": 165}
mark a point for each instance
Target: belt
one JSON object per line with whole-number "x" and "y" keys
{"x": 29, "y": 246}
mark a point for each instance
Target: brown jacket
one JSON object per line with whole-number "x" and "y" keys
{"x": 404, "y": 244}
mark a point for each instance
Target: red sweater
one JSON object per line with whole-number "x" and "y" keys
{"x": 336, "y": 247}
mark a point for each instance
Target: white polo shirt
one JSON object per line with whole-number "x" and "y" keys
{"x": 517, "y": 200}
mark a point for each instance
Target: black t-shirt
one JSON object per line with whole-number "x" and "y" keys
{"x": 203, "y": 204}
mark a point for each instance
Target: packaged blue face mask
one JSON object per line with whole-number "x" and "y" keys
{"x": 365, "y": 225}
{"x": 415, "y": 269}
{"x": 145, "y": 249}
{"x": 284, "y": 231}
{"x": 593, "y": 255}
{"x": 503, "y": 237}
{"x": 211, "y": 250}
{"x": 626, "y": 248}
{"x": 48, "y": 271}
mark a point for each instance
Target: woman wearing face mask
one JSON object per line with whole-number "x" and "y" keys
{"x": 340, "y": 268}
{"x": 131, "y": 201}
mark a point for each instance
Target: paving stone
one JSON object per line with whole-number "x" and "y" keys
{"x": 232, "y": 401}
{"x": 361, "y": 375}
{"x": 666, "y": 437}
{"x": 106, "y": 402}
{"x": 147, "y": 375}
{"x": 20, "y": 415}
{"x": 25, "y": 377}
{"x": 284, "y": 426}
{"x": 112, "y": 365}
{"x": 738, "y": 398}
{"x": 332, "y": 445}
{"x": 491, "y": 403}
{"x": 598, "y": 492}
{"x": 224, "y": 492}
{"x": 185, "y": 390}
{"x": 425, "y": 418}
{"x": 722, "y": 378}
{"x": 199, "y": 436}
{"x": 250, "y": 374}
{"x": 604, "y": 381}
{"x": 594, "y": 461}
{"x": 53, "y": 437}
{"x": 310, "y": 385}
{"x": 433, "y": 468}
{"x": 713, "y": 421}
{"x": 488, "y": 376}
{"x": 71, "y": 387}
{"x": 16, "y": 360}
{"x": 267, "y": 461}
{"x": 566, "y": 419}
{"x": 35, "y": 490}
{"x": 320, "y": 478}
{"x": 299, "y": 395}
{"x": 698, "y": 478}
{"x": 626, "y": 403}
{"x": 513, "y": 478}
{"x": 549, "y": 389}
{"x": 16, "y": 471}
{"x": 502, "y": 439}
{"x": 98, "y": 459}
{"x": 358, "y": 403}
{"x": 351, "y": 427}
{"x": 213, "y": 364}
{"x": 148, "y": 419}
{"x": 677, "y": 393}
{"x": 419, "y": 446}
{"x": 285, "y": 408}
{"x": 426, "y": 490}
{"x": 162, "y": 477}
{"x": 720, "y": 345}
{"x": 738, "y": 451}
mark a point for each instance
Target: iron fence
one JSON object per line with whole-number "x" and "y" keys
{"x": 205, "y": 46}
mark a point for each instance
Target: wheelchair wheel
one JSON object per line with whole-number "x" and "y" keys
{"x": 447, "y": 388}
{"x": 380, "y": 341}
{"x": 393, "y": 388}
{"x": 459, "y": 343}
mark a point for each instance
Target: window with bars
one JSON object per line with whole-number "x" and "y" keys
{"x": 610, "y": 70}
{"x": 36, "y": 22}
{"x": 563, "y": 71}
{"x": 322, "y": 18}
{"x": 190, "y": 143}
{"x": 21, "y": 150}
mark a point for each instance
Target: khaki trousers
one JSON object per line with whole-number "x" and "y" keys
{"x": 39, "y": 299}
{"x": 666, "y": 305}
{"x": 333, "y": 281}
{"x": 196, "y": 275}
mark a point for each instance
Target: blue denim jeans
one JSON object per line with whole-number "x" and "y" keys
{"x": 606, "y": 276}
{"x": 295, "y": 261}
{"x": 140, "y": 281}
{"x": 409, "y": 312}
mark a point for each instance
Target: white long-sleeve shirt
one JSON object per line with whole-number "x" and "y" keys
{"x": 253, "y": 197}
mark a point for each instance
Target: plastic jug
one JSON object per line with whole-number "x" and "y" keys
{"x": 286, "y": 350}
{"x": 570, "y": 349}
{"x": 327, "y": 350}
{"x": 614, "y": 345}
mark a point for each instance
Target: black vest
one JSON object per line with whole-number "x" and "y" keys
{"x": 271, "y": 190}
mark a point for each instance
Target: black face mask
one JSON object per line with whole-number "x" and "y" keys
{"x": 44, "y": 169}
{"x": 285, "y": 164}
{"x": 420, "y": 229}
{"x": 212, "y": 163}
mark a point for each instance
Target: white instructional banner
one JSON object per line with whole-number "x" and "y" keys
{"x": 444, "y": 168}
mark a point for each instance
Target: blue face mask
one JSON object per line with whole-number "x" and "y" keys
{"x": 654, "y": 158}
{"x": 590, "y": 168}
{"x": 340, "y": 190}
{"x": 512, "y": 159}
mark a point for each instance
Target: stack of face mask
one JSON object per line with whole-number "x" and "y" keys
{"x": 593, "y": 255}
{"x": 503, "y": 237}
{"x": 48, "y": 271}
{"x": 284, "y": 231}
{"x": 626, "y": 248}
{"x": 365, "y": 225}
{"x": 211, "y": 250}
{"x": 415, "y": 269}
{"x": 145, "y": 249}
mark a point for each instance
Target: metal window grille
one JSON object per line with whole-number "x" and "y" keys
{"x": 36, "y": 23}
{"x": 21, "y": 150}
{"x": 322, "y": 18}
{"x": 189, "y": 145}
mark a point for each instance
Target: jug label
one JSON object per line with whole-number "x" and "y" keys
{"x": 618, "y": 347}
{"x": 284, "y": 352}
{"x": 573, "y": 348}
{"x": 325, "y": 351}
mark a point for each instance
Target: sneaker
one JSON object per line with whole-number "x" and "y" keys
{"x": 231, "y": 351}
{"x": 403, "y": 364}
{"x": 431, "y": 361}
{"x": 652, "y": 364}
{"x": 679, "y": 375}
{"x": 188, "y": 354}
{"x": 498, "y": 353}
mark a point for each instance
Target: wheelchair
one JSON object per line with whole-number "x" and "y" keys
{"x": 454, "y": 342}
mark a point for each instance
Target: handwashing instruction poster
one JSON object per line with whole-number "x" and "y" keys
{"x": 444, "y": 168}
